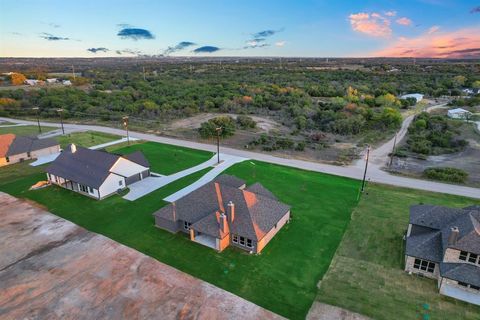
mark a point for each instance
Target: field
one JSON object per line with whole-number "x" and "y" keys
{"x": 86, "y": 139}
{"x": 282, "y": 279}
{"x": 25, "y": 130}
{"x": 367, "y": 276}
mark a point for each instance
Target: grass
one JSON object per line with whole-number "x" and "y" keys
{"x": 86, "y": 139}
{"x": 282, "y": 279}
{"x": 367, "y": 276}
{"x": 167, "y": 159}
{"x": 25, "y": 130}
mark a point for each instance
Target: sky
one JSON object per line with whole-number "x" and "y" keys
{"x": 296, "y": 28}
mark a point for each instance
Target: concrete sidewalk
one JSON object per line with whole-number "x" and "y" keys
{"x": 227, "y": 161}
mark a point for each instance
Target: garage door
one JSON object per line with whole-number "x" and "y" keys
{"x": 132, "y": 179}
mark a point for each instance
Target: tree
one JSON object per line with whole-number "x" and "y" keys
{"x": 476, "y": 84}
{"x": 208, "y": 129}
{"x": 17, "y": 79}
{"x": 459, "y": 81}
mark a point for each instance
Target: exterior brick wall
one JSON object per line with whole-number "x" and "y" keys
{"x": 451, "y": 255}
{"x": 266, "y": 239}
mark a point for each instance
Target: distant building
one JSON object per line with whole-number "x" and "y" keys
{"x": 444, "y": 244}
{"x": 417, "y": 96}
{"x": 31, "y": 82}
{"x": 52, "y": 80}
{"x": 96, "y": 173}
{"x": 458, "y": 113}
{"x": 15, "y": 149}
{"x": 67, "y": 82}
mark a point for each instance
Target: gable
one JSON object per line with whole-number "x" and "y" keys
{"x": 126, "y": 168}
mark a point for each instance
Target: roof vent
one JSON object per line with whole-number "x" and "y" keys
{"x": 73, "y": 148}
{"x": 453, "y": 237}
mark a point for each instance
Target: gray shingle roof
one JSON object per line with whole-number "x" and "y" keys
{"x": 228, "y": 180}
{"x": 138, "y": 158}
{"x": 425, "y": 245}
{"x": 28, "y": 144}
{"x": 254, "y": 216}
{"x": 463, "y": 272}
{"x": 258, "y": 188}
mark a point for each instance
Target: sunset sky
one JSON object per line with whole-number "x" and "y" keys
{"x": 307, "y": 28}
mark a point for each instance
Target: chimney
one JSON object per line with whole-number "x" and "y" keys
{"x": 452, "y": 238}
{"x": 223, "y": 222}
{"x": 73, "y": 148}
{"x": 231, "y": 212}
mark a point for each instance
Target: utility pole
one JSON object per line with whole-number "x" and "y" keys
{"x": 73, "y": 72}
{"x": 393, "y": 150}
{"x": 366, "y": 166}
{"x": 38, "y": 119}
{"x": 60, "y": 111}
{"x": 125, "y": 124}
{"x": 219, "y": 129}
{"x": 144, "y": 78}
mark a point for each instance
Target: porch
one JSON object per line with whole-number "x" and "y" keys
{"x": 205, "y": 240}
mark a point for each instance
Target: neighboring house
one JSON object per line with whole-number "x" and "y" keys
{"x": 67, "y": 82}
{"x": 468, "y": 91}
{"x": 444, "y": 244}
{"x": 417, "y": 96}
{"x": 224, "y": 212}
{"x": 52, "y": 80}
{"x": 31, "y": 82}
{"x": 15, "y": 149}
{"x": 96, "y": 173}
{"x": 458, "y": 113}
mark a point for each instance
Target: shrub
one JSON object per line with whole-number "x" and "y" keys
{"x": 446, "y": 174}
{"x": 209, "y": 129}
{"x": 246, "y": 122}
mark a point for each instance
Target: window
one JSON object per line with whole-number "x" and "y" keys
{"x": 235, "y": 238}
{"x": 90, "y": 190}
{"x": 242, "y": 241}
{"x": 82, "y": 188}
{"x": 424, "y": 265}
{"x": 463, "y": 255}
{"x": 120, "y": 183}
{"x": 7, "y": 159}
{"x": 472, "y": 258}
{"x": 186, "y": 225}
{"x": 463, "y": 284}
{"x": 249, "y": 243}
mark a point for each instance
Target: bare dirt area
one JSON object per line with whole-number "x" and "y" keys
{"x": 52, "y": 269}
{"x": 322, "y": 311}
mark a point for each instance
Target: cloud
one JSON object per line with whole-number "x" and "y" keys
{"x": 374, "y": 25}
{"x": 391, "y": 13}
{"x": 404, "y": 21}
{"x": 463, "y": 43}
{"x": 265, "y": 33}
{"x": 206, "y": 49}
{"x": 252, "y": 44}
{"x": 280, "y": 43}
{"x": 475, "y": 10}
{"x": 51, "y": 37}
{"x": 180, "y": 46}
{"x": 433, "y": 29}
{"x": 95, "y": 50}
{"x": 129, "y": 51}
{"x": 135, "y": 34}
{"x": 16, "y": 33}
{"x": 54, "y": 25}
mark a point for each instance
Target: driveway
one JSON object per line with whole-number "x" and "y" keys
{"x": 152, "y": 183}
{"x": 51, "y": 268}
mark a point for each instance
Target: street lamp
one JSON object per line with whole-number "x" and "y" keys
{"x": 366, "y": 166}
{"x": 38, "y": 118}
{"x": 60, "y": 111}
{"x": 125, "y": 124}
{"x": 218, "y": 129}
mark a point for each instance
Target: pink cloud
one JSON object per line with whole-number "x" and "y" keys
{"x": 404, "y": 21}
{"x": 370, "y": 24}
{"x": 433, "y": 29}
{"x": 463, "y": 43}
{"x": 391, "y": 13}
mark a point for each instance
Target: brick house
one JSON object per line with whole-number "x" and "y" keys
{"x": 444, "y": 244}
{"x": 225, "y": 212}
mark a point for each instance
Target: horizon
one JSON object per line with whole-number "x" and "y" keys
{"x": 215, "y": 28}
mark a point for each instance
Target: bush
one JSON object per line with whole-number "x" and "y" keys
{"x": 209, "y": 129}
{"x": 246, "y": 122}
{"x": 446, "y": 174}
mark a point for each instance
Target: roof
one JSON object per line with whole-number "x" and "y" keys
{"x": 258, "y": 188}
{"x": 254, "y": 214}
{"x": 229, "y": 180}
{"x": 5, "y": 142}
{"x": 458, "y": 110}
{"x": 462, "y": 272}
{"x": 28, "y": 144}
{"x": 138, "y": 158}
{"x": 84, "y": 166}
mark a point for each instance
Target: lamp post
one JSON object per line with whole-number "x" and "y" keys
{"x": 366, "y": 166}
{"x": 60, "y": 111}
{"x": 218, "y": 129}
{"x": 38, "y": 118}
{"x": 125, "y": 124}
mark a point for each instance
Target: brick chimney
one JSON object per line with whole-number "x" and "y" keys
{"x": 453, "y": 237}
{"x": 231, "y": 212}
{"x": 223, "y": 222}
{"x": 73, "y": 148}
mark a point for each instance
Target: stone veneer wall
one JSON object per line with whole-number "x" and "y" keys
{"x": 409, "y": 261}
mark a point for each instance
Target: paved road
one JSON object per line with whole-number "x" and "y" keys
{"x": 353, "y": 171}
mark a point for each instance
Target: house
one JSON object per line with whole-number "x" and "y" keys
{"x": 468, "y": 91}
{"x": 96, "y": 173}
{"x": 52, "y": 80}
{"x": 458, "y": 113}
{"x": 31, "y": 82}
{"x": 224, "y": 212}
{"x": 444, "y": 244}
{"x": 67, "y": 82}
{"x": 417, "y": 96}
{"x": 15, "y": 148}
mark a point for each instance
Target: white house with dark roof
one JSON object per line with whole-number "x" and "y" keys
{"x": 444, "y": 244}
{"x": 225, "y": 213}
{"x": 96, "y": 173}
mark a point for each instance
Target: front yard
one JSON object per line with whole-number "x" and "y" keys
{"x": 25, "y": 130}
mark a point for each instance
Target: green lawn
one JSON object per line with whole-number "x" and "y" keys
{"x": 25, "y": 130}
{"x": 86, "y": 139}
{"x": 166, "y": 159}
{"x": 282, "y": 279}
{"x": 367, "y": 276}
